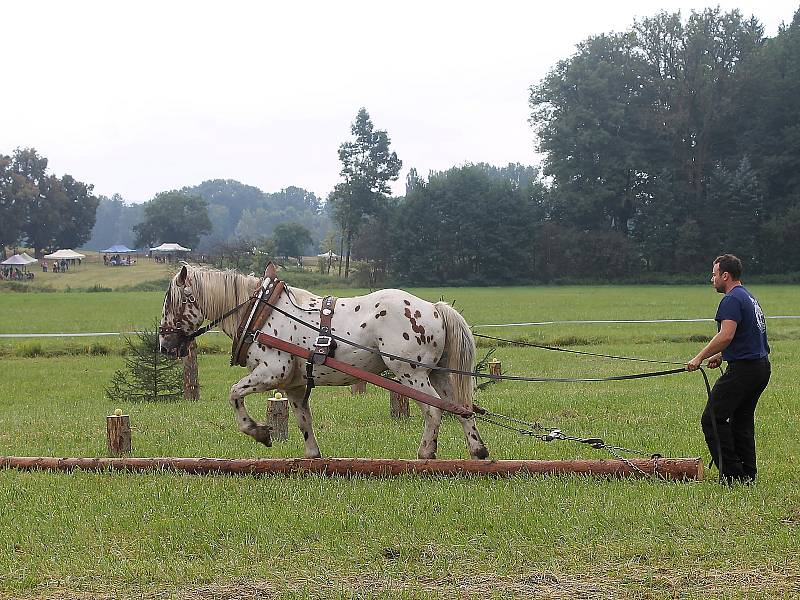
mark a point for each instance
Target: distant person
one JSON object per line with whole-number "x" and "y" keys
{"x": 729, "y": 417}
{"x": 44, "y": 266}
{"x": 105, "y": 259}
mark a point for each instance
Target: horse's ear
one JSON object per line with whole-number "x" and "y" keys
{"x": 270, "y": 271}
{"x": 182, "y": 274}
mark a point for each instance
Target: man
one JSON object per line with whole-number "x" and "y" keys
{"x": 741, "y": 341}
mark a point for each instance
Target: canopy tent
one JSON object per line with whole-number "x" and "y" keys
{"x": 28, "y": 257}
{"x": 18, "y": 261}
{"x": 118, "y": 249}
{"x": 328, "y": 254}
{"x": 170, "y": 248}
{"x": 66, "y": 254}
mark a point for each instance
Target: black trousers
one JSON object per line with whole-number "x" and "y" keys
{"x": 729, "y": 418}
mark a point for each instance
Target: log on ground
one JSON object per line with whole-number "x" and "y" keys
{"x": 675, "y": 469}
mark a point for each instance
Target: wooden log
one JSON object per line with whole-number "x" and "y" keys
{"x": 191, "y": 387}
{"x": 398, "y": 406}
{"x": 278, "y": 418}
{"x": 359, "y": 387}
{"x": 495, "y": 367}
{"x": 118, "y": 434}
{"x": 674, "y": 469}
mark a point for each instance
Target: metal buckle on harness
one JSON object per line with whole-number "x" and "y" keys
{"x": 323, "y": 341}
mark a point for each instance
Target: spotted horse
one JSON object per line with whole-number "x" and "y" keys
{"x": 388, "y": 324}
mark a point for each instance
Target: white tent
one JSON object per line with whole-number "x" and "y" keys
{"x": 29, "y": 258}
{"x": 170, "y": 248}
{"x": 17, "y": 261}
{"x": 328, "y": 254}
{"x": 66, "y": 254}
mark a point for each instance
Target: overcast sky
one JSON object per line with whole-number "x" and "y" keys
{"x": 142, "y": 97}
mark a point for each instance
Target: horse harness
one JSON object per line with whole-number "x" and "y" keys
{"x": 260, "y": 307}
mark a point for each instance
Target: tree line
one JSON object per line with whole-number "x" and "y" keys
{"x": 664, "y": 146}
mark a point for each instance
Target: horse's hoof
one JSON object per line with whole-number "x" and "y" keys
{"x": 426, "y": 455}
{"x": 481, "y": 454}
{"x": 262, "y": 436}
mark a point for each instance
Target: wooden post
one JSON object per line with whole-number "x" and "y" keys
{"x": 495, "y": 367}
{"x": 359, "y": 387}
{"x": 118, "y": 432}
{"x": 191, "y": 387}
{"x": 278, "y": 418}
{"x": 398, "y": 406}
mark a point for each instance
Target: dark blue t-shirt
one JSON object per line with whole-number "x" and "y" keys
{"x": 750, "y": 340}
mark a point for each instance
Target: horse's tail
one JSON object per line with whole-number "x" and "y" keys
{"x": 459, "y": 353}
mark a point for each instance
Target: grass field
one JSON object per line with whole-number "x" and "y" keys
{"x": 161, "y": 535}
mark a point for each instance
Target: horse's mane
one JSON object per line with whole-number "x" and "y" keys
{"x": 216, "y": 291}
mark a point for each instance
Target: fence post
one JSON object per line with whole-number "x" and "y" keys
{"x": 359, "y": 387}
{"x": 278, "y": 417}
{"x": 398, "y": 406}
{"x": 191, "y": 387}
{"x": 495, "y": 367}
{"x": 118, "y": 434}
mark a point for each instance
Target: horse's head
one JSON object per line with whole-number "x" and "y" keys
{"x": 181, "y": 314}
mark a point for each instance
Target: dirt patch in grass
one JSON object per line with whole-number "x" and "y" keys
{"x": 600, "y": 584}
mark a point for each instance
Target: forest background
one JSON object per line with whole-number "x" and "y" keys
{"x": 664, "y": 145}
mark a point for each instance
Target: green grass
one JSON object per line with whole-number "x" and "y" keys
{"x": 187, "y": 536}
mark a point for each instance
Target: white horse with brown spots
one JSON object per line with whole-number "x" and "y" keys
{"x": 390, "y": 321}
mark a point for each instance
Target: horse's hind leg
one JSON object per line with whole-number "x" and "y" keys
{"x": 430, "y": 434}
{"x": 302, "y": 414}
{"x": 444, "y": 388}
{"x": 259, "y": 380}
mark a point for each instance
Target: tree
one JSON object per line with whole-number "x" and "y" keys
{"x": 149, "y": 375}
{"x": 468, "y": 225}
{"x": 12, "y": 205}
{"x": 114, "y": 223}
{"x": 173, "y": 217}
{"x": 594, "y": 117}
{"x": 291, "y": 239}
{"x": 53, "y": 211}
{"x": 367, "y": 168}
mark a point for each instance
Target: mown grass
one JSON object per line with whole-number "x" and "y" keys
{"x": 182, "y": 536}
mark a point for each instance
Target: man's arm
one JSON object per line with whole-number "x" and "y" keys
{"x": 715, "y": 347}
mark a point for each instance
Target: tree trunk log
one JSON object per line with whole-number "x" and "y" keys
{"x": 678, "y": 469}
{"x": 398, "y": 406}
{"x": 118, "y": 433}
{"x": 495, "y": 367}
{"x": 278, "y": 419}
{"x": 191, "y": 387}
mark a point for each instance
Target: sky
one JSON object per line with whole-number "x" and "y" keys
{"x": 142, "y": 97}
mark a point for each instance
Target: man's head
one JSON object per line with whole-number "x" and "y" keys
{"x": 726, "y": 273}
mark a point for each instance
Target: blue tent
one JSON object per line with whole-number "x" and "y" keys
{"x": 118, "y": 249}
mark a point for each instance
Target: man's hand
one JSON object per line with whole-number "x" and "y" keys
{"x": 715, "y": 361}
{"x": 695, "y": 363}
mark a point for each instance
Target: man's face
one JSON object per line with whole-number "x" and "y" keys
{"x": 718, "y": 280}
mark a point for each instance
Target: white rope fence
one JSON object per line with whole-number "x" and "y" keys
{"x": 530, "y": 323}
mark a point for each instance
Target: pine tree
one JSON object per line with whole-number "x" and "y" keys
{"x": 148, "y": 376}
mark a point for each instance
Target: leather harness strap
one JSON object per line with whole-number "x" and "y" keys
{"x": 324, "y": 345}
{"x": 258, "y": 310}
{"x": 389, "y": 384}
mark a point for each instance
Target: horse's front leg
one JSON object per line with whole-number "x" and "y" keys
{"x": 302, "y": 413}
{"x": 260, "y": 379}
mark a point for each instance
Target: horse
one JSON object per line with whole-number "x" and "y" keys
{"x": 390, "y": 321}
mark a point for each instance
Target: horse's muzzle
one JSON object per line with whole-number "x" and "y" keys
{"x": 173, "y": 342}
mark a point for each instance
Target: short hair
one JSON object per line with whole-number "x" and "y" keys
{"x": 731, "y": 264}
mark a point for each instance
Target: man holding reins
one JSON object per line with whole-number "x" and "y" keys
{"x": 741, "y": 341}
